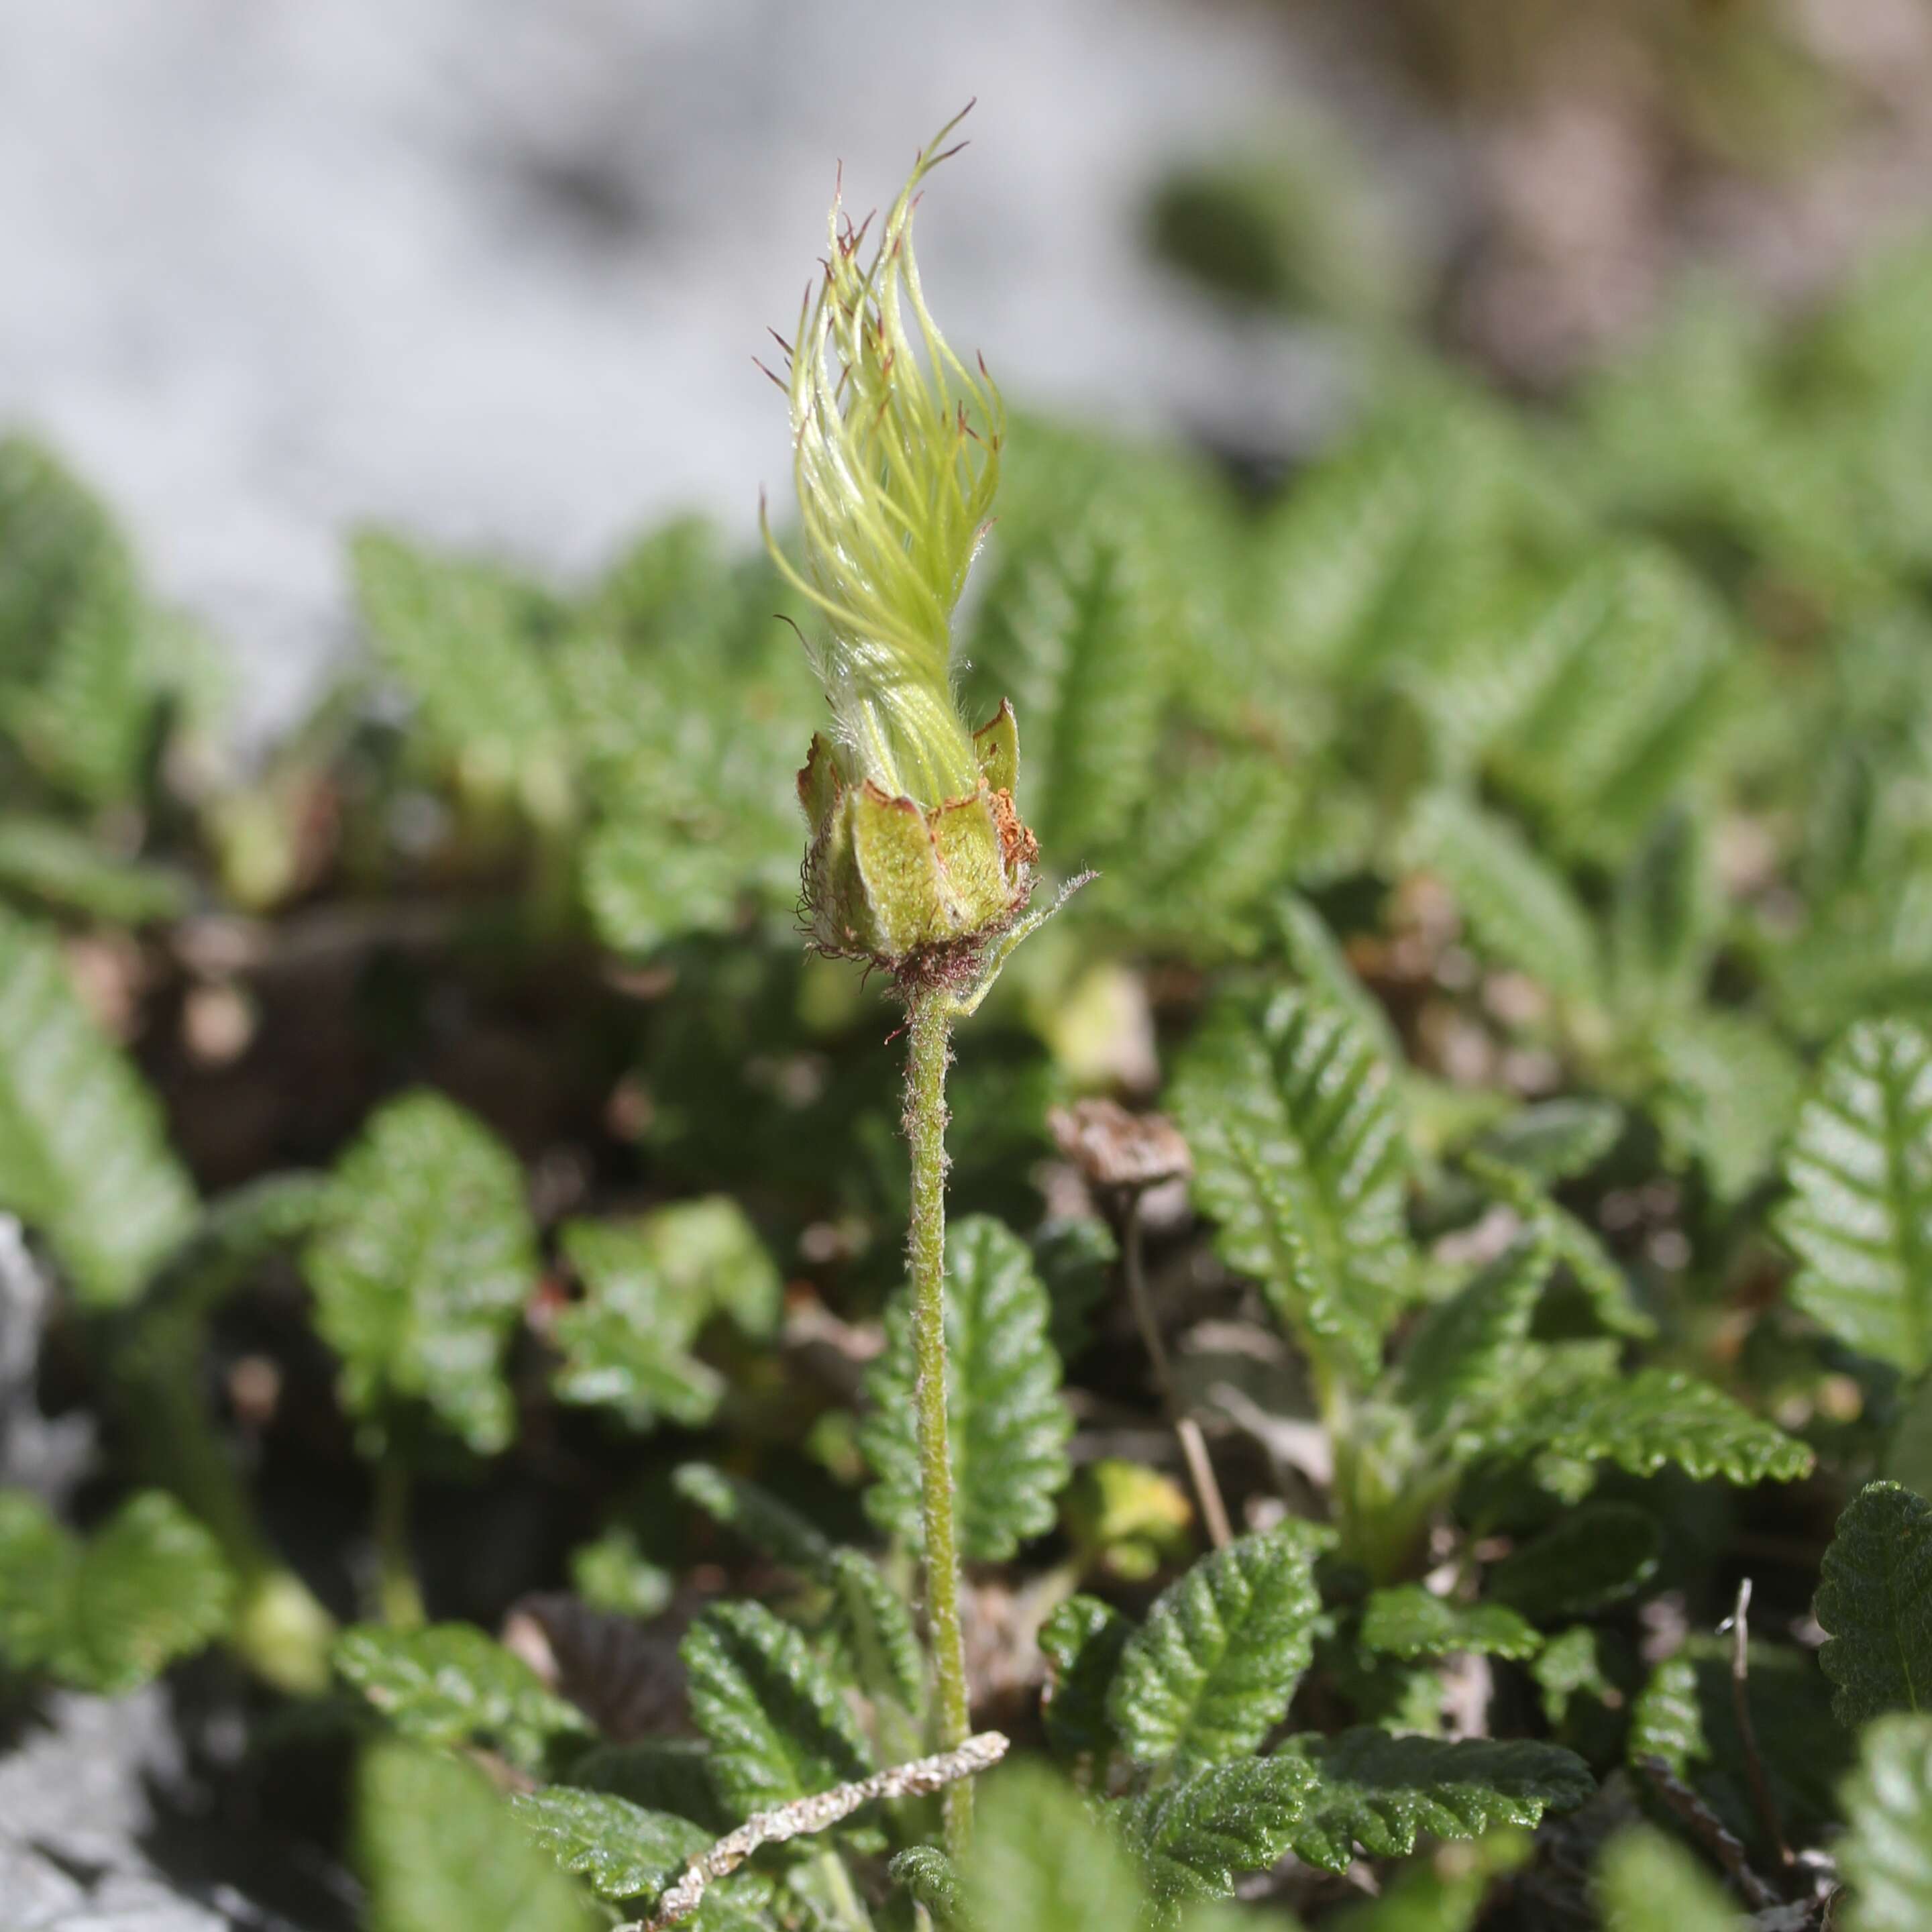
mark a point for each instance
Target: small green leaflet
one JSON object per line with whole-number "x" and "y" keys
{"x": 438, "y": 1847}
{"x": 1300, "y": 1158}
{"x": 779, "y": 1727}
{"x": 107, "y": 1614}
{"x": 625, "y": 1345}
{"x": 48, "y": 862}
{"x": 449, "y": 1684}
{"x": 623, "y": 1850}
{"x": 1556, "y": 1140}
{"x": 84, "y": 1159}
{"x": 1570, "y": 1665}
{"x": 1381, "y": 1791}
{"x": 1860, "y": 1215}
{"x": 1213, "y": 1669}
{"x": 1646, "y": 1883}
{"x": 424, "y": 1258}
{"x": 769, "y": 1525}
{"x": 1885, "y": 1855}
{"x": 1008, "y": 1424}
{"x": 1196, "y": 1834}
{"x": 1875, "y": 1603}
{"x": 1408, "y": 1622}
{"x": 1081, "y": 1641}
{"x": 1728, "y": 1089}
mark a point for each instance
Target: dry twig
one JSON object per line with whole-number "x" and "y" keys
{"x": 919, "y": 1779}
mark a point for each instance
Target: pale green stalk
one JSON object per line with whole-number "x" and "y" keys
{"x": 930, "y": 1029}
{"x": 398, "y": 1597}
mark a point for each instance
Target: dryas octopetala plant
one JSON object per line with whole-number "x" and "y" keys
{"x": 918, "y": 857}
{"x": 918, "y": 860}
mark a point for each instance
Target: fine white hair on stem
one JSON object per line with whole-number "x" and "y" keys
{"x": 919, "y": 1778}
{"x": 896, "y": 448}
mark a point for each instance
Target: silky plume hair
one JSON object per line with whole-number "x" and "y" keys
{"x": 896, "y": 457}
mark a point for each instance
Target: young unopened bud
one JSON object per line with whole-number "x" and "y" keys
{"x": 917, "y": 854}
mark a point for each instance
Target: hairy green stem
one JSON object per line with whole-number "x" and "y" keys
{"x": 930, "y": 1029}
{"x": 398, "y": 1598}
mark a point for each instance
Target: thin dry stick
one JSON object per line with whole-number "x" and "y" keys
{"x": 919, "y": 1779}
{"x": 1193, "y": 1444}
{"x": 1710, "y": 1831}
{"x": 1738, "y": 1625}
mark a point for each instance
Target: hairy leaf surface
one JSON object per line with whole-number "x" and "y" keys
{"x": 1875, "y": 1604}
{"x": 1212, "y": 1668}
{"x": 1008, "y": 1425}
{"x": 1300, "y": 1157}
{"x": 1408, "y": 1621}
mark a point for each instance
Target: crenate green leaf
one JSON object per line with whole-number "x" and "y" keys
{"x": 84, "y": 1158}
{"x": 1884, "y": 1857}
{"x": 1300, "y": 1157}
{"x": 625, "y": 1851}
{"x": 450, "y": 1684}
{"x": 1728, "y": 1090}
{"x": 1859, "y": 1218}
{"x": 779, "y": 1726}
{"x": 1211, "y": 1671}
{"x": 1195, "y": 1834}
{"x": 1408, "y": 1621}
{"x": 671, "y": 1775}
{"x": 1381, "y": 1791}
{"x": 1008, "y": 1425}
{"x": 1590, "y": 1558}
{"x": 438, "y": 1849}
{"x": 107, "y": 1614}
{"x": 424, "y": 1259}
{"x": 1646, "y": 1883}
{"x": 1659, "y": 1416}
{"x": 1875, "y": 1605}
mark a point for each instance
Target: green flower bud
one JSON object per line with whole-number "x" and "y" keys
{"x": 917, "y": 854}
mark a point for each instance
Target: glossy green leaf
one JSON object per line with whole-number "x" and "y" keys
{"x": 1300, "y": 1158}
{"x": 624, "y": 1851}
{"x": 1875, "y": 1605}
{"x": 424, "y": 1259}
{"x": 106, "y": 1613}
{"x": 1212, "y": 1669}
{"x": 1008, "y": 1426}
